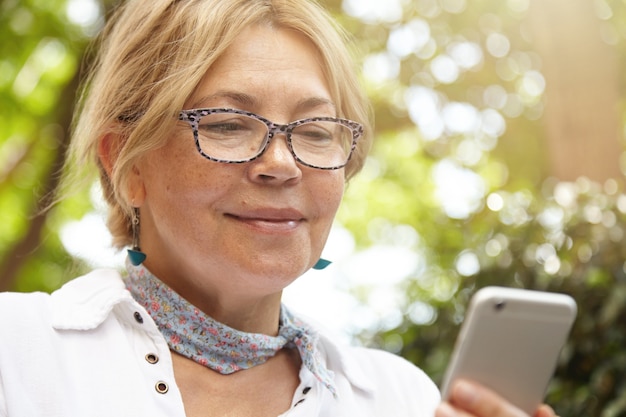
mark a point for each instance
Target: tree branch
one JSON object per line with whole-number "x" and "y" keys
{"x": 25, "y": 247}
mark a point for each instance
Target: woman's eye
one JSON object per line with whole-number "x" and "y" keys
{"x": 214, "y": 127}
{"x": 313, "y": 133}
{"x": 221, "y": 127}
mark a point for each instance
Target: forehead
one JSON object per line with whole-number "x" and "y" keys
{"x": 265, "y": 65}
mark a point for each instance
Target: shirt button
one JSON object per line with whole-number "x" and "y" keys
{"x": 161, "y": 387}
{"x": 138, "y": 317}
{"x": 152, "y": 358}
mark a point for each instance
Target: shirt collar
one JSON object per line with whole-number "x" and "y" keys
{"x": 85, "y": 302}
{"x": 338, "y": 359}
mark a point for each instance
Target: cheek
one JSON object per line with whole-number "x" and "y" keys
{"x": 177, "y": 177}
{"x": 328, "y": 194}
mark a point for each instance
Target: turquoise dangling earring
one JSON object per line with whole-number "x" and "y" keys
{"x": 321, "y": 264}
{"x": 135, "y": 254}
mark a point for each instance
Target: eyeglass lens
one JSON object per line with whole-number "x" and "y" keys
{"x": 237, "y": 137}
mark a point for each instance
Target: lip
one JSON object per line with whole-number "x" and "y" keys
{"x": 270, "y": 219}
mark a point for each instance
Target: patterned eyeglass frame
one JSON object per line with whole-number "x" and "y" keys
{"x": 192, "y": 116}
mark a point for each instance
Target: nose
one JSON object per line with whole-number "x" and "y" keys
{"x": 276, "y": 163}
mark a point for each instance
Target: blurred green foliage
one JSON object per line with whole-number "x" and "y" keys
{"x": 40, "y": 55}
{"x": 469, "y": 61}
{"x": 526, "y": 230}
{"x": 570, "y": 239}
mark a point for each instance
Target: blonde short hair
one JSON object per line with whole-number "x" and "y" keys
{"x": 151, "y": 56}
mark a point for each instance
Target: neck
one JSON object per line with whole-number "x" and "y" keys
{"x": 237, "y": 309}
{"x": 251, "y": 316}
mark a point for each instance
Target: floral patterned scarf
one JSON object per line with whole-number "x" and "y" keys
{"x": 193, "y": 334}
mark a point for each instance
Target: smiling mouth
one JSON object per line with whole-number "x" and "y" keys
{"x": 269, "y": 223}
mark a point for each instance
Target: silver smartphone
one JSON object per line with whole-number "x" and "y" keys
{"x": 510, "y": 342}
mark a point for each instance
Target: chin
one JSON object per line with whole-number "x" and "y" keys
{"x": 277, "y": 274}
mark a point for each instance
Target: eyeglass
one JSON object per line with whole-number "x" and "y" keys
{"x": 237, "y": 136}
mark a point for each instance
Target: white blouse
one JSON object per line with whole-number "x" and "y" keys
{"x": 89, "y": 349}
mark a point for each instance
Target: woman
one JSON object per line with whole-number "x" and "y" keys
{"x": 224, "y": 131}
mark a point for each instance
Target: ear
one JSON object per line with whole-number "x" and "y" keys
{"x": 108, "y": 150}
{"x": 135, "y": 187}
{"x": 109, "y": 147}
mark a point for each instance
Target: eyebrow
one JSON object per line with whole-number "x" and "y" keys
{"x": 248, "y": 101}
{"x": 241, "y": 98}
